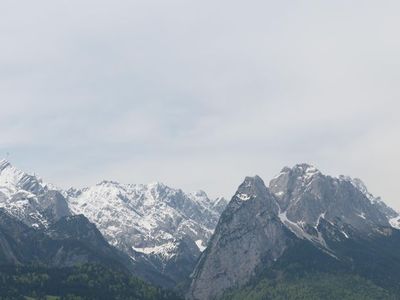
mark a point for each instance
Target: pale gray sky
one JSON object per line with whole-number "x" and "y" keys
{"x": 199, "y": 94}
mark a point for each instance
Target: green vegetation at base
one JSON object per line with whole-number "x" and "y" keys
{"x": 310, "y": 287}
{"x": 75, "y": 283}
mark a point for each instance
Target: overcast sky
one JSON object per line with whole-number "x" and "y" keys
{"x": 199, "y": 94}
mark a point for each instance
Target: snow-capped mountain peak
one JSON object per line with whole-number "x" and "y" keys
{"x": 144, "y": 206}
{"x": 11, "y": 178}
{"x": 28, "y": 198}
{"x": 149, "y": 222}
{"x": 304, "y": 172}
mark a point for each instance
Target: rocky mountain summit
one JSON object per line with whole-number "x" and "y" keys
{"x": 336, "y": 219}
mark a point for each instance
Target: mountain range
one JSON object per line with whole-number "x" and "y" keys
{"x": 162, "y": 230}
{"x": 304, "y": 233}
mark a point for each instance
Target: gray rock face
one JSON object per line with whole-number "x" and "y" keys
{"x": 220, "y": 204}
{"x": 305, "y": 196}
{"x": 260, "y": 224}
{"x": 376, "y": 201}
{"x": 249, "y": 234}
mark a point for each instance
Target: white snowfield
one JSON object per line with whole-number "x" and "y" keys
{"x": 148, "y": 219}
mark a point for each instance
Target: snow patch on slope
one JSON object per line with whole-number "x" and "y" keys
{"x": 395, "y": 222}
{"x": 166, "y": 251}
{"x": 200, "y": 245}
{"x": 299, "y": 231}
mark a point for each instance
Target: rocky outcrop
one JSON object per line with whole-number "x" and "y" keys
{"x": 249, "y": 233}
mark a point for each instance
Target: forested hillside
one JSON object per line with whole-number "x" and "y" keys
{"x": 81, "y": 282}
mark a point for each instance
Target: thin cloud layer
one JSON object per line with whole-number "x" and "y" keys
{"x": 198, "y": 95}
